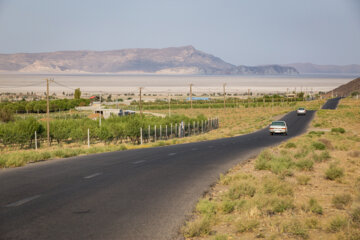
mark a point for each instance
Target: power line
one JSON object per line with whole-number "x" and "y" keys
{"x": 34, "y": 84}
{"x": 62, "y": 85}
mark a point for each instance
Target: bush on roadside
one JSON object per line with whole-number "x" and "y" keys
{"x": 336, "y": 224}
{"x": 303, "y": 180}
{"x": 340, "y": 201}
{"x": 297, "y": 229}
{"x": 246, "y": 225}
{"x": 241, "y": 190}
{"x": 318, "y": 146}
{"x": 338, "y": 130}
{"x": 305, "y": 164}
{"x": 197, "y": 228}
{"x": 334, "y": 172}
{"x": 314, "y": 206}
{"x": 290, "y": 145}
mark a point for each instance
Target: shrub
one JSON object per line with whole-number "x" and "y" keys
{"x": 241, "y": 190}
{"x": 221, "y": 237}
{"x": 327, "y": 143}
{"x": 281, "y": 205}
{"x": 334, "y": 172}
{"x": 314, "y": 206}
{"x": 355, "y": 216}
{"x": 340, "y": 201}
{"x": 312, "y": 223}
{"x": 205, "y": 207}
{"x": 336, "y": 224}
{"x": 199, "y": 227}
{"x": 228, "y": 206}
{"x": 246, "y": 225}
{"x": 338, "y": 130}
{"x": 301, "y": 153}
{"x": 317, "y": 133}
{"x": 296, "y": 229}
{"x": 318, "y": 146}
{"x": 6, "y": 115}
{"x": 303, "y": 180}
{"x": 323, "y": 156}
{"x": 262, "y": 160}
{"x": 290, "y": 145}
{"x": 274, "y": 186}
{"x": 305, "y": 164}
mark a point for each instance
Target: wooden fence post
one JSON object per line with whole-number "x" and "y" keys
{"x": 155, "y": 133}
{"x": 35, "y": 141}
{"x": 88, "y": 136}
{"x": 141, "y": 136}
{"x": 160, "y": 134}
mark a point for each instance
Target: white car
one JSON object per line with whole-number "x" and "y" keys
{"x": 278, "y": 127}
{"x": 301, "y": 111}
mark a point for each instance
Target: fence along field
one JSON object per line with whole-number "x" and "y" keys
{"x": 132, "y": 128}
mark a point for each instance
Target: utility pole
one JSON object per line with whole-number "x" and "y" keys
{"x": 224, "y": 85}
{"x": 100, "y": 113}
{"x": 48, "y": 110}
{"x": 140, "y": 106}
{"x": 169, "y": 103}
{"x": 191, "y": 95}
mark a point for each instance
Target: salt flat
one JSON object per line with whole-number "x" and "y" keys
{"x": 170, "y": 83}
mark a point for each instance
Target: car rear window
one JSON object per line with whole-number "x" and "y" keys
{"x": 278, "y": 123}
{"x": 301, "y": 109}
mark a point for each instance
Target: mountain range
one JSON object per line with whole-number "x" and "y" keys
{"x": 309, "y": 68}
{"x": 173, "y": 60}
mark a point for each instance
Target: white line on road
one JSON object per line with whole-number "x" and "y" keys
{"x": 137, "y": 162}
{"x": 23, "y": 201}
{"x": 93, "y": 175}
{"x": 171, "y": 154}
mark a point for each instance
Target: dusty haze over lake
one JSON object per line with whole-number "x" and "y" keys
{"x": 170, "y": 83}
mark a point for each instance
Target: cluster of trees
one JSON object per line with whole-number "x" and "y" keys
{"x": 22, "y": 132}
{"x": 218, "y": 104}
{"x": 40, "y": 106}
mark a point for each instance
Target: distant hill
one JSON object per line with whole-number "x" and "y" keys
{"x": 346, "y": 89}
{"x": 173, "y": 60}
{"x": 314, "y": 68}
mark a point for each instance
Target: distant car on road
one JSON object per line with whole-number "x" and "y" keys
{"x": 301, "y": 111}
{"x": 278, "y": 127}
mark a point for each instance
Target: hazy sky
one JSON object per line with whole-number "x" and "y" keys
{"x": 248, "y": 32}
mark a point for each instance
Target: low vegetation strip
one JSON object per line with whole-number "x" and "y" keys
{"x": 69, "y": 136}
{"x": 306, "y": 188}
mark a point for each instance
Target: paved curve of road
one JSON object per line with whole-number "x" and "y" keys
{"x": 135, "y": 194}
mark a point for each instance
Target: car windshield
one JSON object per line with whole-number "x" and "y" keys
{"x": 278, "y": 123}
{"x": 301, "y": 108}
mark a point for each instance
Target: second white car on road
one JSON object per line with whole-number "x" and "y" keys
{"x": 301, "y": 111}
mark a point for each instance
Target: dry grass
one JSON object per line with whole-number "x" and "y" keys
{"x": 292, "y": 198}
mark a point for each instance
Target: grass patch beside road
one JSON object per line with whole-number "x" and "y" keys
{"x": 305, "y": 188}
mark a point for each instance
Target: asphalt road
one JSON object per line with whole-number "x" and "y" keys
{"x": 331, "y": 103}
{"x": 135, "y": 194}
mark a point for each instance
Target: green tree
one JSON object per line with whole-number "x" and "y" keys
{"x": 6, "y": 115}
{"x": 77, "y": 93}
